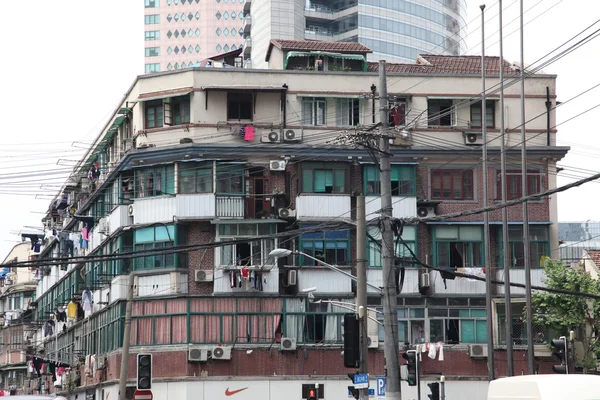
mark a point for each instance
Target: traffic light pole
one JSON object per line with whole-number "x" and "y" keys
{"x": 126, "y": 338}
{"x": 361, "y": 289}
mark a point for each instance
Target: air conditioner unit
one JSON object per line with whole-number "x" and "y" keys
{"x": 473, "y": 139}
{"x": 103, "y": 226}
{"x": 286, "y": 213}
{"x": 197, "y": 354}
{"x": 130, "y": 210}
{"x": 100, "y": 362}
{"x": 277, "y": 165}
{"x": 271, "y": 137}
{"x": 424, "y": 280}
{"x": 426, "y": 212}
{"x": 221, "y": 353}
{"x": 287, "y": 344}
{"x": 478, "y": 351}
{"x": 292, "y": 277}
{"x": 292, "y": 136}
{"x": 202, "y": 275}
{"x": 373, "y": 341}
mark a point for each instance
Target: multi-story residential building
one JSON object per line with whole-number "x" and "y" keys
{"x": 397, "y": 31}
{"x": 202, "y": 172}
{"x": 181, "y": 33}
{"x": 17, "y": 329}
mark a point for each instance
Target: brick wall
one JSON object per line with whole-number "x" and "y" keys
{"x": 200, "y": 233}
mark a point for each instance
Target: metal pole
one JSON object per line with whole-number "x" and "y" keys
{"x": 442, "y": 387}
{"x": 505, "y": 253}
{"x": 486, "y": 217}
{"x": 525, "y": 192}
{"x": 361, "y": 289}
{"x": 390, "y": 300}
{"x": 126, "y": 337}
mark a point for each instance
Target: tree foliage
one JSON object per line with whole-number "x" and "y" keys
{"x": 562, "y": 313}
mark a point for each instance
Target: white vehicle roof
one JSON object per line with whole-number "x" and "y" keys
{"x": 546, "y": 387}
{"x": 38, "y": 397}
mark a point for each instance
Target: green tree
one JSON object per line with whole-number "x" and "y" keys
{"x": 562, "y": 313}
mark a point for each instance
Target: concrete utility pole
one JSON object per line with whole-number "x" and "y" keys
{"x": 390, "y": 300}
{"x": 486, "y": 216}
{"x": 442, "y": 387}
{"x": 505, "y": 252}
{"x": 361, "y": 289}
{"x": 126, "y": 339}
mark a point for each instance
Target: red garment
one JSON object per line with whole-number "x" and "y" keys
{"x": 248, "y": 133}
{"x": 245, "y": 273}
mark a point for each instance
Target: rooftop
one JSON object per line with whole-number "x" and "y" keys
{"x": 434, "y": 64}
{"x": 307, "y": 45}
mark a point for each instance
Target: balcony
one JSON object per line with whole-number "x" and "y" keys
{"x": 247, "y": 46}
{"x": 239, "y": 206}
{"x": 318, "y": 207}
{"x": 269, "y": 281}
{"x": 229, "y": 206}
{"x": 247, "y": 24}
{"x": 164, "y": 208}
{"x": 404, "y": 206}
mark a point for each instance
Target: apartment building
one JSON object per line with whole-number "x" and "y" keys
{"x": 202, "y": 172}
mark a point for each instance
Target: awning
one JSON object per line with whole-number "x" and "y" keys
{"x": 247, "y": 221}
{"x": 332, "y": 95}
{"x": 164, "y": 94}
{"x": 357, "y": 57}
{"x": 125, "y": 110}
{"x": 481, "y": 223}
{"x": 242, "y": 88}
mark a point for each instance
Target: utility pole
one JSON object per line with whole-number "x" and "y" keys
{"x": 126, "y": 339}
{"x": 505, "y": 252}
{"x": 361, "y": 289}
{"x": 486, "y": 216}
{"x": 442, "y": 387}
{"x": 390, "y": 300}
{"x": 525, "y": 192}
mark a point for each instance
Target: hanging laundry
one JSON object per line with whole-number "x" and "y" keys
{"x": 72, "y": 310}
{"x": 248, "y": 133}
{"x": 61, "y": 315}
{"x": 37, "y": 247}
{"x": 85, "y": 234}
{"x": 432, "y": 351}
{"x": 86, "y": 301}
{"x": 49, "y": 328}
{"x": 440, "y": 349}
{"x": 38, "y": 275}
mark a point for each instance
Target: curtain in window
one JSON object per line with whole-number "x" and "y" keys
{"x": 333, "y": 323}
{"x": 294, "y": 324}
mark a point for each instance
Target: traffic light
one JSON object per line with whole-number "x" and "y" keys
{"x": 561, "y": 354}
{"x": 144, "y": 371}
{"x": 312, "y": 394}
{"x": 352, "y": 389}
{"x": 351, "y": 341}
{"x": 435, "y": 391}
{"x": 412, "y": 366}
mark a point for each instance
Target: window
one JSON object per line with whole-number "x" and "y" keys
{"x": 348, "y": 112}
{"x": 331, "y": 247}
{"x": 411, "y": 325}
{"x": 151, "y": 3}
{"x": 158, "y": 237}
{"x": 230, "y": 178}
{"x": 440, "y": 112}
{"x": 403, "y": 180}
{"x": 177, "y": 110}
{"x": 458, "y": 246}
{"x": 195, "y": 177}
{"x": 149, "y": 68}
{"x": 324, "y": 178}
{"x": 447, "y": 184}
{"x": 454, "y": 326}
{"x": 152, "y": 35}
{"x": 254, "y": 252}
{"x": 154, "y": 114}
{"x": 239, "y": 106}
{"x": 409, "y": 236}
{"x": 152, "y": 19}
{"x": 514, "y": 183}
{"x": 155, "y": 181}
{"x": 489, "y": 114}
{"x": 152, "y": 51}
{"x": 314, "y": 111}
{"x": 539, "y": 245}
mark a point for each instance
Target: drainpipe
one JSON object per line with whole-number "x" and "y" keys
{"x": 548, "y": 107}
{"x": 284, "y": 106}
{"x": 373, "y": 89}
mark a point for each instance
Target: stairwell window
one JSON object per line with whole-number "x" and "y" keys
{"x": 489, "y": 114}
{"x": 403, "y": 180}
{"x": 451, "y": 184}
{"x": 441, "y": 112}
{"x": 314, "y": 111}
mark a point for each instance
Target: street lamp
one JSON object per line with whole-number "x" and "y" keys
{"x": 286, "y": 252}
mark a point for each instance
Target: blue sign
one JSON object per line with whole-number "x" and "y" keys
{"x": 361, "y": 381}
{"x": 371, "y": 392}
{"x": 381, "y": 386}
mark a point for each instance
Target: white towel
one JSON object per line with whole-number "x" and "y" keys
{"x": 432, "y": 351}
{"x": 440, "y": 347}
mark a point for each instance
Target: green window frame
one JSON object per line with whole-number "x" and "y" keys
{"x": 331, "y": 247}
{"x": 155, "y": 238}
{"x": 490, "y": 106}
{"x": 230, "y": 178}
{"x": 154, "y": 181}
{"x": 153, "y": 114}
{"x": 195, "y": 177}
{"x": 539, "y": 246}
{"x": 403, "y": 180}
{"x": 411, "y": 325}
{"x": 458, "y": 246}
{"x": 409, "y": 236}
{"x": 325, "y": 178}
{"x": 457, "y": 325}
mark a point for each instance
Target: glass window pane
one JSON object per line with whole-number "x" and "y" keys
{"x": 403, "y": 331}
{"x": 467, "y": 331}
{"x": 436, "y": 330}
{"x": 469, "y": 233}
{"x": 481, "y": 331}
{"x": 446, "y": 232}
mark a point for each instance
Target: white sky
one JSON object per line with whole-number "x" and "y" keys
{"x": 66, "y": 65}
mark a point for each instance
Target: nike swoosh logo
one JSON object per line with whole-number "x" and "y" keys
{"x": 232, "y": 392}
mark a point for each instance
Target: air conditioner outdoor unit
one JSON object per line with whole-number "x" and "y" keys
{"x": 277, "y": 165}
{"x": 286, "y": 213}
{"x": 424, "y": 280}
{"x": 271, "y": 137}
{"x": 288, "y": 344}
{"x": 478, "y": 351}
{"x": 221, "y": 353}
{"x": 292, "y": 277}
{"x": 426, "y": 212}
{"x": 373, "y": 341}
{"x": 291, "y": 136}
{"x": 473, "y": 139}
{"x": 130, "y": 210}
{"x": 197, "y": 354}
{"x": 202, "y": 275}
{"x": 103, "y": 226}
